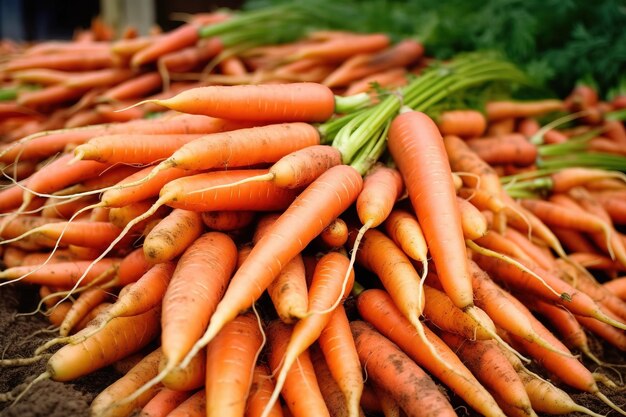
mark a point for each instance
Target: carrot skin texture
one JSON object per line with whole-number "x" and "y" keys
{"x": 163, "y": 402}
{"x": 394, "y": 372}
{"x": 121, "y": 337}
{"x": 307, "y": 102}
{"x": 377, "y": 308}
{"x": 230, "y": 359}
{"x": 105, "y": 404}
{"x": 199, "y": 279}
{"x": 335, "y": 190}
{"x": 172, "y": 235}
{"x": 417, "y": 147}
{"x": 260, "y": 392}
{"x": 300, "y": 391}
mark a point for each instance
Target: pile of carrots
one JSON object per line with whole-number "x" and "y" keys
{"x": 214, "y": 244}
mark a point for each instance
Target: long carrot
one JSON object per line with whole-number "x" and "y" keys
{"x": 418, "y": 150}
{"x": 326, "y": 198}
{"x": 301, "y": 391}
{"x": 231, "y": 357}
{"x": 306, "y": 102}
{"x": 106, "y": 403}
{"x": 465, "y": 123}
{"x": 184, "y": 35}
{"x": 397, "y": 374}
{"x": 377, "y": 308}
{"x": 326, "y": 287}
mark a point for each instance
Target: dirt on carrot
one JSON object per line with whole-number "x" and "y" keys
{"x": 56, "y": 399}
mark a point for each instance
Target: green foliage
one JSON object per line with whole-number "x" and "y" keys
{"x": 557, "y": 42}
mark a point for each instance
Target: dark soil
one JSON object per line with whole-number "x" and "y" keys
{"x": 19, "y": 336}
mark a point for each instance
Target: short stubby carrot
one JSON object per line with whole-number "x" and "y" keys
{"x": 306, "y": 102}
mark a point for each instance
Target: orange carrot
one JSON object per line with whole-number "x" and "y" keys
{"x": 85, "y": 302}
{"x": 342, "y": 47}
{"x": 289, "y": 292}
{"x": 497, "y": 110}
{"x": 392, "y": 78}
{"x": 513, "y": 148}
{"x": 62, "y": 274}
{"x": 134, "y": 88}
{"x": 333, "y": 397}
{"x": 163, "y": 402}
{"x": 324, "y": 199}
{"x": 306, "y": 102}
{"x": 194, "y": 406}
{"x": 403, "y": 228}
{"x": 301, "y": 391}
{"x": 98, "y": 78}
{"x": 260, "y": 391}
{"x": 337, "y": 347}
{"x": 377, "y": 308}
{"x": 465, "y": 123}
{"x": 487, "y": 362}
{"x": 473, "y": 222}
{"x": 359, "y": 66}
{"x": 228, "y": 221}
{"x": 48, "y": 96}
{"x": 172, "y": 235}
{"x": 417, "y": 147}
{"x": 326, "y": 287}
{"x": 68, "y": 61}
{"x": 178, "y": 38}
{"x": 190, "y": 377}
{"x": 394, "y": 372}
{"x": 549, "y": 399}
{"x": 335, "y": 234}
{"x": 201, "y": 274}
{"x": 230, "y": 358}
{"x": 617, "y": 286}
{"x": 107, "y": 403}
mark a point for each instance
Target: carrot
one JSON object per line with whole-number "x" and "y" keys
{"x": 189, "y": 378}
{"x": 107, "y": 403}
{"x": 333, "y": 397}
{"x": 172, "y": 235}
{"x": 134, "y": 88}
{"x": 201, "y": 274}
{"x": 324, "y": 199}
{"x": 52, "y": 95}
{"x": 163, "y": 402}
{"x": 337, "y": 347}
{"x": 232, "y": 66}
{"x": 194, "y": 406}
{"x": 84, "y": 233}
{"x": 327, "y": 286}
{"x": 473, "y": 222}
{"x": 62, "y": 274}
{"x": 340, "y": 48}
{"x": 466, "y": 123}
{"x": 335, "y": 235}
{"x": 532, "y": 250}
{"x": 610, "y": 334}
{"x": 549, "y": 399}
{"x": 289, "y": 292}
{"x": 395, "y": 373}
{"x": 512, "y": 148}
{"x": 260, "y": 391}
{"x": 293, "y": 102}
{"x": 119, "y": 148}
{"x": 463, "y": 159}
{"x": 57, "y": 314}
{"x": 575, "y": 301}
{"x": 228, "y": 221}
{"x": 403, "y": 228}
{"x": 392, "y": 78}
{"x": 119, "y": 338}
{"x": 558, "y": 215}
{"x": 359, "y": 66}
{"x": 176, "y": 39}
{"x": 300, "y": 391}
{"x": 497, "y": 110}
{"x": 565, "y": 324}
{"x": 85, "y": 302}
{"x": 230, "y": 358}
{"x": 614, "y": 205}
{"x": 188, "y": 58}
{"x": 377, "y": 308}
{"x": 617, "y": 286}
{"x": 487, "y": 362}
{"x": 417, "y": 148}
{"x": 505, "y": 314}
{"x": 300, "y": 167}
{"x": 68, "y": 61}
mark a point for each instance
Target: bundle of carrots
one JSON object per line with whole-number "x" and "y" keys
{"x": 222, "y": 240}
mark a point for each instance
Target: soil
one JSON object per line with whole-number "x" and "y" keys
{"x": 21, "y": 334}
